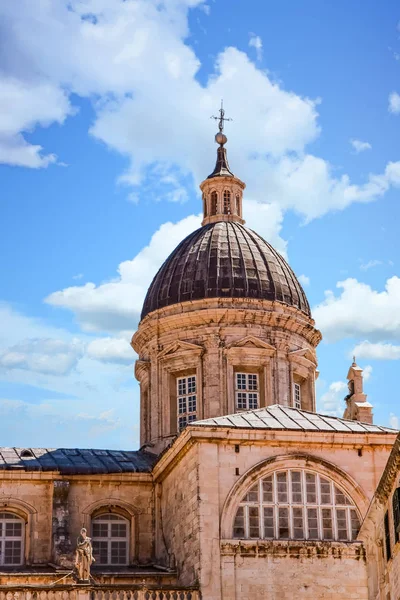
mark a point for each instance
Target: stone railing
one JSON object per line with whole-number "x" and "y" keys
{"x": 92, "y": 593}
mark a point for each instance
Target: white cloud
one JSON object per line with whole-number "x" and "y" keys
{"x": 116, "y": 305}
{"x": 370, "y": 264}
{"x": 304, "y": 280}
{"x": 360, "y": 146}
{"x": 120, "y": 54}
{"x": 377, "y": 351}
{"x": 111, "y": 350}
{"x": 367, "y": 372}
{"x": 360, "y": 311}
{"x": 394, "y": 103}
{"x": 24, "y": 106}
{"x": 332, "y": 401}
{"x": 48, "y": 356}
{"x": 394, "y": 421}
{"x": 256, "y": 42}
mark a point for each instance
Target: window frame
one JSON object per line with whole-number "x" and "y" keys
{"x": 289, "y": 505}
{"x": 297, "y": 395}
{"x": 247, "y": 391}
{"x": 189, "y": 415}
{"x": 4, "y": 538}
{"x": 226, "y": 203}
{"x": 213, "y": 203}
{"x": 110, "y": 539}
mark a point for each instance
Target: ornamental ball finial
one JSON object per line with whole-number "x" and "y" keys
{"x": 221, "y": 138}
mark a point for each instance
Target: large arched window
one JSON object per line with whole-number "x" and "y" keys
{"x": 110, "y": 536}
{"x": 298, "y": 505}
{"x": 12, "y": 529}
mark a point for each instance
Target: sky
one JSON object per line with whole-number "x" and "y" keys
{"x": 105, "y": 135}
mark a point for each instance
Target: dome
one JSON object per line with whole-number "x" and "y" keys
{"x": 224, "y": 260}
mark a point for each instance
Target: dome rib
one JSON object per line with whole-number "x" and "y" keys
{"x": 224, "y": 259}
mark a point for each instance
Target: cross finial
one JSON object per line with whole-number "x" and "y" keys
{"x": 221, "y": 117}
{"x": 354, "y": 359}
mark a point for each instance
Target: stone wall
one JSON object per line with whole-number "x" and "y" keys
{"x": 178, "y": 519}
{"x": 55, "y": 507}
{"x": 319, "y": 571}
{"x": 316, "y": 570}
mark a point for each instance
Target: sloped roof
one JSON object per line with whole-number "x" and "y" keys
{"x": 74, "y": 461}
{"x": 282, "y": 417}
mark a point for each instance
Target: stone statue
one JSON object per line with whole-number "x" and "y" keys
{"x": 83, "y": 556}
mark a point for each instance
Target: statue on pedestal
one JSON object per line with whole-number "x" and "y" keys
{"x": 83, "y": 556}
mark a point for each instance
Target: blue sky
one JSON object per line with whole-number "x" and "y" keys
{"x": 104, "y": 137}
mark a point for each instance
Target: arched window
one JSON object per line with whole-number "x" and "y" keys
{"x": 204, "y": 205}
{"x": 227, "y": 202}
{"x": 110, "y": 536}
{"x": 214, "y": 203}
{"x": 298, "y": 505}
{"x": 11, "y": 539}
{"x": 237, "y": 204}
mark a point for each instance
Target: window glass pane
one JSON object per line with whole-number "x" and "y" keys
{"x": 326, "y": 496}
{"x": 191, "y": 385}
{"x": 238, "y": 527}
{"x": 341, "y": 521}
{"x": 181, "y": 387}
{"x": 298, "y": 526}
{"x": 297, "y": 496}
{"x": 240, "y": 381}
{"x": 252, "y": 495}
{"x": 269, "y": 522}
{"x": 14, "y": 529}
{"x": 99, "y": 529}
{"x": 340, "y": 497}
{"x": 242, "y": 400}
{"x": 311, "y": 488}
{"x": 118, "y": 553}
{"x": 283, "y": 523}
{"x": 355, "y": 524}
{"x": 327, "y": 523}
{"x": 191, "y": 404}
{"x": 100, "y": 552}
{"x": 282, "y": 487}
{"x": 12, "y": 552}
{"x": 268, "y": 495}
{"x": 254, "y": 522}
{"x": 118, "y": 530}
{"x": 253, "y": 401}
{"x": 312, "y": 516}
{"x": 253, "y": 382}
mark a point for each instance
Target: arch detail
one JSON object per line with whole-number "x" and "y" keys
{"x": 27, "y": 513}
{"x": 289, "y": 461}
{"x": 119, "y": 507}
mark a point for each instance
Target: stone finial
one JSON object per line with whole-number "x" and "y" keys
{"x": 358, "y": 408}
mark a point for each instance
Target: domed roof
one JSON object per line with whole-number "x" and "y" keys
{"x": 224, "y": 260}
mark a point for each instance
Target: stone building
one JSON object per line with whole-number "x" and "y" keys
{"x": 240, "y": 490}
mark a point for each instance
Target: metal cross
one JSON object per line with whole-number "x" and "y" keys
{"x": 221, "y": 118}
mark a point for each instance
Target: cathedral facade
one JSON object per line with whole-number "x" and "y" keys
{"x": 240, "y": 490}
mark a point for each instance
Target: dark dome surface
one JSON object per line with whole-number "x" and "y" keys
{"x": 227, "y": 260}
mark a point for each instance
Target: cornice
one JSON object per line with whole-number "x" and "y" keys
{"x": 292, "y": 549}
{"x": 217, "y": 312}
